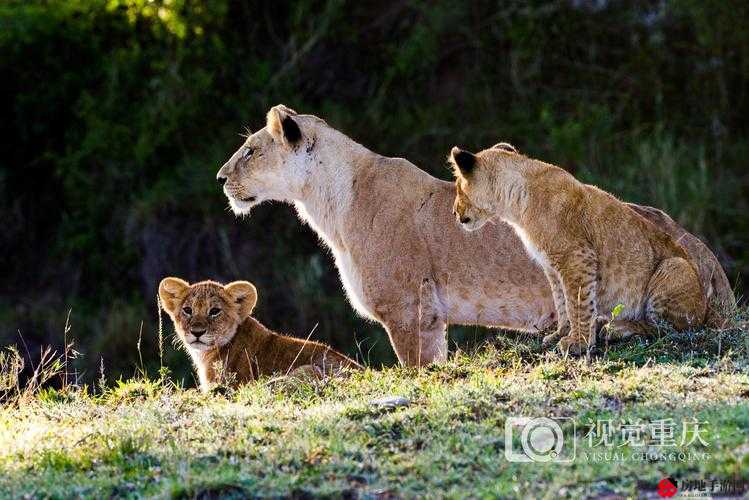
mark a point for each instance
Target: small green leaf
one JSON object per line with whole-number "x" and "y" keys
{"x": 617, "y": 311}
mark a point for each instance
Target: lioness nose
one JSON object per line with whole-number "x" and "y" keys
{"x": 465, "y": 220}
{"x": 221, "y": 180}
{"x": 198, "y": 333}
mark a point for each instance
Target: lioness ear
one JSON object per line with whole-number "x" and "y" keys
{"x": 244, "y": 295}
{"x": 171, "y": 293}
{"x": 282, "y": 126}
{"x": 464, "y": 161}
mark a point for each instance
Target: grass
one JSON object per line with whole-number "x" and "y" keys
{"x": 290, "y": 438}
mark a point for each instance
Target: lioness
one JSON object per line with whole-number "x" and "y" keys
{"x": 402, "y": 258}
{"x": 227, "y": 345}
{"x": 596, "y": 252}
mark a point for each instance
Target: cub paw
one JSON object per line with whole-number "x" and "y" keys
{"x": 573, "y": 346}
{"x": 552, "y": 338}
{"x": 307, "y": 373}
{"x": 220, "y": 390}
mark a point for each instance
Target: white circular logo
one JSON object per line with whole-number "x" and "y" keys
{"x": 542, "y": 439}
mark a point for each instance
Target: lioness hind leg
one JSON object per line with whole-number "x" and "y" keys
{"x": 675, "y": 295}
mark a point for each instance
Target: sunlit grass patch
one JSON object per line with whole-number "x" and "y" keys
{"x": 446, "y": 436}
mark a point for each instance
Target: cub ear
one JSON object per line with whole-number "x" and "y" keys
{"x": 282, "y": 126}
{"x": 505, "y": 146}
{"x": 464, "y": 161}
{"x": 171, "y": 293}
{"x": 244, "y": 295}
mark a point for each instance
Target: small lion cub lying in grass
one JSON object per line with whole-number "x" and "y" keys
{"x": 227, "y": 345}
{"x": 596, "y": 252}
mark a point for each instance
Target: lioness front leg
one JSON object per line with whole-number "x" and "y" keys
{"x": 578, "y": 276}
{"x": 563, "y": 322}
{"x": 418, "y": 328}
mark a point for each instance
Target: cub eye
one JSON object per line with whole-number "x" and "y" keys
{"x": 215, "y": 311}
{"x": 248, "y": 152}
{"x": 187, "y": 310}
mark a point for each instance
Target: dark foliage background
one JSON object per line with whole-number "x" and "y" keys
{"x": 116, "y": 114}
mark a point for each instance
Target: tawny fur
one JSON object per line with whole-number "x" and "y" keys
{"x": 596, "y": 251}
{"x": 721, "y": 302}
{"x": 235, "y": 348}
{"x": 402, "y": 258}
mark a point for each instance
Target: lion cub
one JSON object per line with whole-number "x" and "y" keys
{"x": 596, "y": 252}
{"x": 228, "y": 345}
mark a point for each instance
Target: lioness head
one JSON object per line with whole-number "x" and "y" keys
{"x": 206, "y": 314}
{"x": 274, "y": 163}
{"x": 474, "y": 184}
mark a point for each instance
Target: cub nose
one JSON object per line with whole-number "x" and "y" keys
{"x": 465, "y": 220}
{"x": 198, "y": 333}
{"x": 221, "y": 180}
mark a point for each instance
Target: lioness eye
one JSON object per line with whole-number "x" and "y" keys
{"x": 248, "y": 152}
{"x": 214, "y": 311}
{"x": 187, "y": 310}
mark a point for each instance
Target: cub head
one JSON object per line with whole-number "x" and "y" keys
{"x": 476, "y": 176}
{"x": 274, "y": 163}
{"x": 206, "y": 315}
